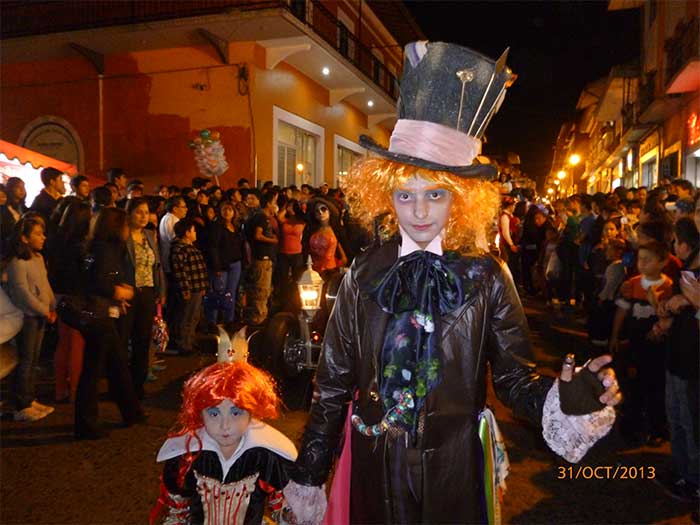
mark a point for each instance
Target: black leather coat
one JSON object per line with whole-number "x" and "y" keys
{"x": 489, "y": 329}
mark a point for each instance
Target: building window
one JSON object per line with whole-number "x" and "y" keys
{"x": 298, "y": 8}
{"x": 649, "y": 174}
{"x": 669, "y": 166}
{"x": 296, "y": 155}
{"x": 692, "y": 167}
{"x": 346, "y": 158}
{"x": 343, "y": 40}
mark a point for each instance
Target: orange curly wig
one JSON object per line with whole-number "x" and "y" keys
{"x": 371, "y": 182}
{"x": 248, "y": 387}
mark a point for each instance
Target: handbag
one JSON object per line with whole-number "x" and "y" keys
{"x": 73, "y": 310}
{"x": 82, "y": 312}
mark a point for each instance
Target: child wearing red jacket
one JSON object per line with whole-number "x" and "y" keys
{"x": 638, "y": 302}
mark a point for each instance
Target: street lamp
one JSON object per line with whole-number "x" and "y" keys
{"x": 561, "y": 174}
{"x": 574, "y": 159}
{"x": 310, "y": 288}
{"x": 550, "y": 190}
{"x": 556, "y": 182}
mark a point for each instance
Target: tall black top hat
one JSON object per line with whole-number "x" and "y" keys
{"x": 448, "y": 94}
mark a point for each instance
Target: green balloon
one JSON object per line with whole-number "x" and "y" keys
{"x": 205, "y": 134}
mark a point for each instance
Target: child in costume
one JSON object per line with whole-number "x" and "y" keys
{"x": 222, "y": 464}
{"x": 421, "y": 319}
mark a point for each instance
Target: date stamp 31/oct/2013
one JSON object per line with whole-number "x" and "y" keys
{"x": 606, "y": 472}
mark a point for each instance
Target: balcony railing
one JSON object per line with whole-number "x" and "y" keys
{"x": 22, "y": 18}
{"x": 682, "y": 47}
{"x": 630, "y": 117}
{"x": 347, "y": 44}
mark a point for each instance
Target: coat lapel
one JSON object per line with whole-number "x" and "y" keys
{"x": 376, "y": 266}
{"x": 132, "y": 251}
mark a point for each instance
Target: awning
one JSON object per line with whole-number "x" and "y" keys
{"x": 13, "y": 155}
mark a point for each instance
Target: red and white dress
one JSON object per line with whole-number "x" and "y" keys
{"x": 219, "y": 491}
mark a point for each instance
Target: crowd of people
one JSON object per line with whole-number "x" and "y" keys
{"x": 628, "y": 260}
{"x": 115, "y": 258}
{"x": 204, "y": 256}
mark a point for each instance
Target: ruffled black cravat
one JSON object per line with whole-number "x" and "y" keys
{"x": 418, "y": 289}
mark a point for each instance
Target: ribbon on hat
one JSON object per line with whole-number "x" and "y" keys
{"x": 434, "y": 142}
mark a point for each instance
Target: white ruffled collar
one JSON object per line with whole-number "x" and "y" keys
{"x": 258, "y": 434}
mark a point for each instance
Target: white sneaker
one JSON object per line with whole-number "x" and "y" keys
{"x": 29, "y": 414}
{"x": 46, "y": 409}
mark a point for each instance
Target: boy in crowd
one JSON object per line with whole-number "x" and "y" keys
{"x": 117, "y": 178}
{"x": 189, "y": 273}
{"x": 80, "y": 187}
{"x": 263, "y": 244}
{"x": 48, "y": 198}
{"x": 638, "y": 302}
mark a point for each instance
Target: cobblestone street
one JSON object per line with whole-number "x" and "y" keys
{"x": 115, "y": 480}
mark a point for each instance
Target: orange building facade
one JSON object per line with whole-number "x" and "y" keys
{"x": 289, "y": 87}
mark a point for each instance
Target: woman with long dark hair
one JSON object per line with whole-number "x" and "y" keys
{"x": 224, "y": 256}
{"x": 143, "y": 264}
{"x": 327, "y": 254}
{"x": 108, "y": 288}
{"x": 66, "y": 254}
{"x": 290, "y": 258}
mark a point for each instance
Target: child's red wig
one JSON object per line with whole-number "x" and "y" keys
{"x": 248, "y": 388}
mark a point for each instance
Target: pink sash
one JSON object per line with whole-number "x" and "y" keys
{"x": 338, "y": 511}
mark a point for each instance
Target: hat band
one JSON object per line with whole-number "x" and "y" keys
{"x": 433, "y": 142}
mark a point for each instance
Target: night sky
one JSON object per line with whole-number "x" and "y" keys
{"x": 556, "y": 48}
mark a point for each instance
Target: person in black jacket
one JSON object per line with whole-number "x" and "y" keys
{"x": 12, "y": 210}
{"x": 48, "y": 198}
{"x": 224, "y": 255}
{"x": 107, "y": 289}
{"x": 66, "y": 254}
{"x": 531, "y": 244}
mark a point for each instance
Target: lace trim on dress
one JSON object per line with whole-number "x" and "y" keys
{"x": 307, "y": 503}
{"x": 572, "y": 436}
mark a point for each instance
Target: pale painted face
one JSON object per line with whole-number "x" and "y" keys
{"x": 422, "y": 209}
{"x": 322, "y": 213}
{"x": 226, "y": 424}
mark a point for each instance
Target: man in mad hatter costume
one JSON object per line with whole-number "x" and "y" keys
{"x": 419, "y": 320}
